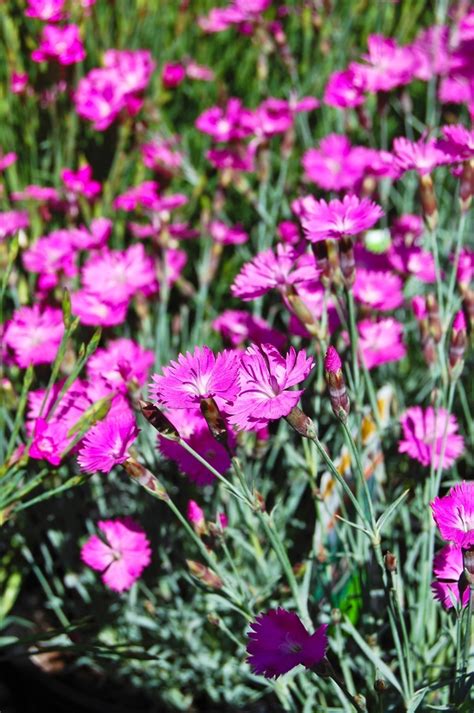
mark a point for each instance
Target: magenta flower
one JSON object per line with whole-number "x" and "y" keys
{"x": 428, "y": 433}
{"x": 336, "y": 165}
{"x": 120, "y": 274}
{"x": 237, "y": 157}
{"x": 413, "y": 261}
{"x": 227, "y": 234}
{"x": 270, "y": 270}
{"x": 193, "y": 429}
{"x": 51, "y": 257}
{"x": 195, "y": 515}
{"x": 106, "y": 444}
{"x": 122, "y": 362}
{"x": 197, "y": 376}
{"x": 144, "y": 195}
{"x": 278, "y": 642}
{"x": 407, "y": 229}
{"x": 381, "y": 342}
{"x": 458, "y": 142}
{"x": 421, "y": 156}
{"x": 377, "y": 289}
{"x": 12, "y": 221}
{"x": 121, "y": 554}
{"x": 7, "y": 159}
{"x": 92, "y": 309}
{"x": 387, "y": 65}
{"x": 99, "y": 97}
{"x": 226, "y": 124}
{"x": 34, "y": 335}
{"x": 336, "y": 219}
{"x": 50, "y": 440}
{"x": 160, "y": 156}
{"x": 46, "y": 10}
{"x": 343, "y": 90}
{"x": 264, "y": 382}
{"x": 80, "y": 182}
{"x": 449, "y": 587}
{"x": 133, "y": 68}
{"x": 172, "y": 74}
{"x": 454, "y": 514}
{"x": 18, "y": 82}
{"x": 238, "y": 326}
{"x": 63, "y": 44}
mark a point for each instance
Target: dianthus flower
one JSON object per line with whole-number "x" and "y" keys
{"x": 407, "y": 229}
{"x": 63, "y": 44}
{"x": 227, "y": 234}
{"x": 336, "y": 165}
{"x": 264, "y": 382}
{"x": 106, "y": 444}
{"x": 413, "y": 261}
{"x": 431, "y": 52}
{"x": 377, "y": 289}
{"x": 449, "y": 587}
{"x": 134, "y": 67}
{"x": 237, "y": 13}
{"x": 159, "y": 156}
{"x": 120, "y": 554}
{"x": 12, "y": 221}
{"x": 238, "y": 326}
{"x": 454, "y": 514}
{"x": 18, "y": 82}
{"x": 144, "y": 195}
{"x": 343, "y": 90}
{"x": 50, "y": 257}
{"x": 80, "y": 182}
{"x": 381, "y": 342}
{"x": 229, "y": 124}
{"x": 172, "y": 74}
{"x": 237, "y": 157}
{"x": 193, "y": 429}
{"x": 278, "y": 642}
{"x": 429, "y": 433}
{"x": 7, "y": 159}
{"x": 99, "y": 97}
{"x": 121, "y": 362}
{"x": 458, "y": 142}
{"x": 46, "y": 10}
{"x": 421, "y": 156}
{"x": 120, "y": 274}
{"x": 97, "y": 311}
{"x": 387, "y": 65}
{"x": 271, "y": 270}
{"x": 34, "y": 335}
{"x": 197, "y": 376}
{"x": 336, "y": 219}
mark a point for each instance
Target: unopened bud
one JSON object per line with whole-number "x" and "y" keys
{"x": 336, "y": 385}
{"x": 457, "y": 346}
{"x": 158, "y": 420}
{"x": 466, "y": 185}
{"x": 320, "y": 250}
{"x": 259, "y": 501}
{"x": 215, "y": 421}
{"x": 204, "y": 574}
{"x": 380, "y": 685}
{"x": 301, "y": 423}
{"x": 391, "y": 563}
{"x": 428, "y": 202}
{"x": 146, "y": 479}
{"x": 347, "y": 260}
{"x": 434, "y": 321}
{"x": 196, "y": 517}
{"x": 468, "y": 563}
{"x": 468, "y": 305}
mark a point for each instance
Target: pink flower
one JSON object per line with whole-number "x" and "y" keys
{"x": 199, "y": 72}
{"x": 121, "y": 554}
{"x": 429, "y": 433}
{"x": 7, "y": 159}
{"x": 160, "y": 156}
{"x": 52, "y": 256}
{"x": 133, "y": 68}
{"x": 172, "y": 74}
{"x": 237, "y": 157}
{"x": 12, "y": 221}
{"x": 80, "y": 182}
{"x": 378, "y": 290}
{"x": 238, "y": 326}
{"x": 264, "y": 382}
{"x": 227, "y": 234}
{"x": 63, "y": 44}
{"x": 407, "y": 229}
{"x": 120, "y": 274}
{"x": 99, "y": 232}
{"x": 271, "y": 270}
{"x": 387, "y": 65}
{"x": 194, "y": 430}
{"x": 195, "y": 515}
{"x": 458, "y": 142}
{"x": 421, "y": 156}
{"x": 50, "y": 440}
{"x": 381, "y": 342}
{"x": 278, "y": 642}
{"x": 197, "y": 376}
{"x": 336, "y": 219}
{"x": 99, "y": 97}
{"x": 94, "y": 310}
{"x": 120, "y": 363}
{"x": 450, "y": 587}
{"x": 335, "y": 165}
{"x": 145, "y": 195}
{"x": 106, "y": 444}
{"x": 46, "y": 10}
{"x": 431, "y": 52}
{"x": 343, "y": 90}
{"x": 413, "y": 261}
{"x": 34, "y": 335}
{"x": 454, "y": 514}
{"x": 18, "y": 82}
{"x": 226, "y": 124}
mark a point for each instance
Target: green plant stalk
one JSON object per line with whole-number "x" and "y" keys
{"x": 27, "y": 381}
{"x": 354, "y": 341}
{"x": 360, "y": 471}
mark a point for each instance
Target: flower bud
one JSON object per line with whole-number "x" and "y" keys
{"x": 434, "y": 321}
{"x": 457, "y": 345}
{"x": 320, "y": 250}
{"x": 146, "y": 479}
{"x": 466, "y": 185}
{"x": 215, "y": 421}
{"x": 301, "y": 423}
{"x": 158, "y": 420}
{"x": 347, "y": 260}
{"x": 390, "y": 562}
{"x": 468, "y": 564}
{"x": 428, "y": 202}
{"x": 204, "y": 574}
{"x": 336, "y": 384}
{"x": 196, "y": 517}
